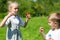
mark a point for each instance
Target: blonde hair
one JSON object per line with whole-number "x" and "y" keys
{"x": 10, "y": 4}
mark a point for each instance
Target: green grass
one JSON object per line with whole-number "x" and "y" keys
{"x": 31, "y": 32}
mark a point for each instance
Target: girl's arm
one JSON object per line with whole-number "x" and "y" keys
{"x": 42, "y": 33}
{"x": 5, "y": 19}
{"x": 26, "y": 22}
{"x": 27, "y": 19}
{"x": 3, "y": 22}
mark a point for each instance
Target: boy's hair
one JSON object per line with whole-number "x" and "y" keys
{"x": 55, "y": 17}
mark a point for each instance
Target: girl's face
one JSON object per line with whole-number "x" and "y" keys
{"x": 52, "y": 24}
{"x": 14, "y": 9}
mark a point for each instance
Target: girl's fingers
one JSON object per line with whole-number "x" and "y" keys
{"x": 28, "y": 16}
{"x": 10, "y": 14}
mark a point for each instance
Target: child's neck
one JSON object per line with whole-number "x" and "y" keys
{"x": 12, "y": 14}
{"x": 55, "y": 29}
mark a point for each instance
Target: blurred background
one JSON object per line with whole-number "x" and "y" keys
{"x": 34, "y": 7}
{"x": 39, "y": 10}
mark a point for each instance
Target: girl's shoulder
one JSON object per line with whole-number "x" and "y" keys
{"x": 12, "y": 17}
{"x": 18, "y": 17}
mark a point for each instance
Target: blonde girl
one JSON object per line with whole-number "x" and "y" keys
{"x": 13, "y": 21}
{"x": 54, "y": 32}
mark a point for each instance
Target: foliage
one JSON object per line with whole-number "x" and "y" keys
{"x": 3, "y": 5}
{"x": 35, "y": 7}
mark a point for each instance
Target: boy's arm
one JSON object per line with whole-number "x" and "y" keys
{"x": 44, "y": 36}
{"x": 41, "y": 30}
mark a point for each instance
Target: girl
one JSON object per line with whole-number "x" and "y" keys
{"x": 13, "y": 21}
{"x": 54, "y": 32}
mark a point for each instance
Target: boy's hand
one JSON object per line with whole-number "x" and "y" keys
{"x": 41, "y": 29}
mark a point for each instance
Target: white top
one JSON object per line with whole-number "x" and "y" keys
{"x": 15, "y": 22}
{"x": 13, "y": 29}
{"x": 53, "y": 34}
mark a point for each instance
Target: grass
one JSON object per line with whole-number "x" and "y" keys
{"x": 31, "y": 32}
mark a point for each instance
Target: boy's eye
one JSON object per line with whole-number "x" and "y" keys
{"x": 48, "y": 22}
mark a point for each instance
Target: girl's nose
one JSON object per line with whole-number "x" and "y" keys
{"x": 16, "y": 9}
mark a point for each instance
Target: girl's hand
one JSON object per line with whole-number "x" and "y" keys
{"x": 5, "y": 19}
{"x": 27, "y": 19}
{"x": 28, "y": 16}
{"x": 10, "y": 14}
{"x": 41, "y": 30}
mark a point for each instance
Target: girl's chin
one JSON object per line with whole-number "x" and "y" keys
{"x": 14, "y": 13}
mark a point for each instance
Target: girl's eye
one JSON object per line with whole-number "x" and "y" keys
{"x": 16, "y": 8}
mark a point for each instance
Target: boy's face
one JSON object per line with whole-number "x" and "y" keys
{"x": 51, "y": 24}
{"x": 14, "y": 9}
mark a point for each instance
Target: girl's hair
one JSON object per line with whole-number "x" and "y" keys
{"x": 10, "y": 4}
{"x": 55, "y": 17}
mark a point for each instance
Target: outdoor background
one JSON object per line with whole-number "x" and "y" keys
{"x": 39, "y": 10}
